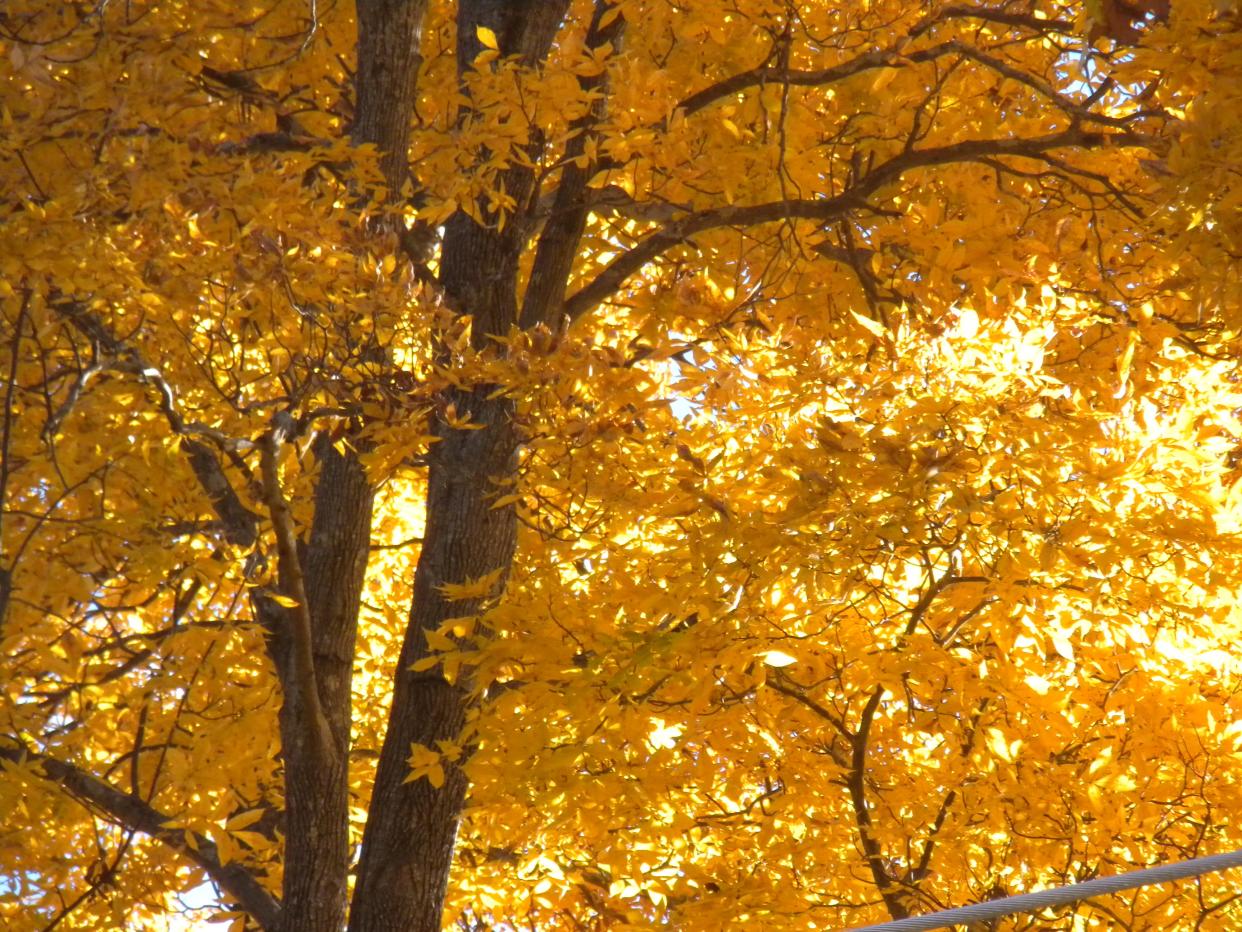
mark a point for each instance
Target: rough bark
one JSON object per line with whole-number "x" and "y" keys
{"x": 316, "y": 820}
{"x": 389, "y": 36}
{"x": 408, "y": 845}
{"x": 317, "y": 853}
{"x": 558, "y": 243}
{"x": 407, "y": 848}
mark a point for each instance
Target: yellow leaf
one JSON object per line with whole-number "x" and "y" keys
{"x": 778, "y": 658}
{"x": 475, "y": 588}
{"x": 1061, "y": 644}
{"x": 438, "y": 641}
{"x": 487, "y": 37}
{"x": 609, "y": 16}
{"x": 1101, "y": 760}
{"x": 244, "y": 819}
{"x": 1003, "y": 749}
{"x": 875, "y": 328}
{"x": 1038, "y": 684}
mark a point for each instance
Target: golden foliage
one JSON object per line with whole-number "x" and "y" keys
{"x": 878, "y": 479}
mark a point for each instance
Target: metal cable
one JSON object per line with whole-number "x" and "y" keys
{"x": 1059, "y": 896}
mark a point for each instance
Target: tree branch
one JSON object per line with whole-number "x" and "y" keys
{"x": 994, "y": 15}
{"x": 856, "y": 782}
{"x": 1044, "y": 89}
{"x": 6, "y": 574}
{"x": 289, "y": 573}
{"x": 890, "y": 57}
{"x": 786, "y": 687}
{"x": 929, "y": 845}
{"x": 240, "y": 523}
{"x": 134, "y": 813}
{"x": 558, "y": 243}
{"x": 820, "y": 77}
{"x": 827, "y": 209}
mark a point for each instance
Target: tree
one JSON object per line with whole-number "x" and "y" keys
{"x": 679, "y": 464}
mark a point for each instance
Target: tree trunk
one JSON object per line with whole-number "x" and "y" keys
{"x": 389, "y": 36}
{"x": 317, "y": 854}
{"x": 316, "y": 779}
{"x": 407, "y": 847}
{"x": 334, "y": 559}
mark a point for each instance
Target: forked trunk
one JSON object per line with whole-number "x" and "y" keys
{"x": 407, "y": 847}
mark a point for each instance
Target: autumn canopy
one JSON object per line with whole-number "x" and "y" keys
{"x": 533, "y": 464}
